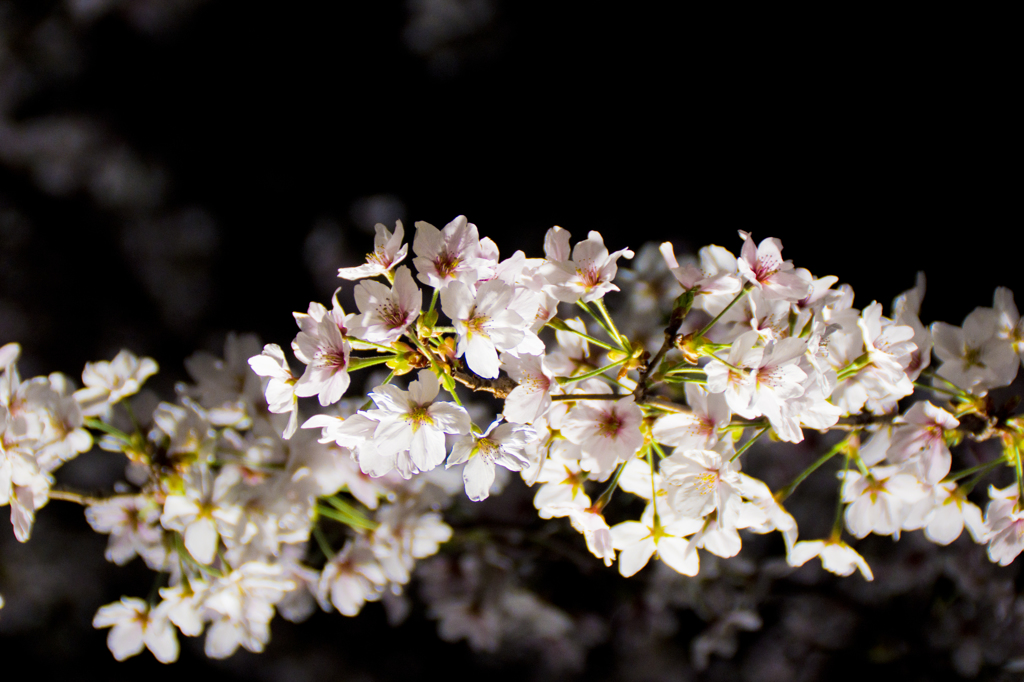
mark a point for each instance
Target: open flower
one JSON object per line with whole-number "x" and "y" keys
{"x": 836, "y": 557}
{"x": 134, "y": 625}
{"x": 412, "y": 423}
{"x": 388, "y": 251}
{"x": 588, "y": 276}
{"x": 485, "y": 323}
{"x": 608, "y": 432}
{"x": 502, "y": 444}
{"x": 386, "y": 313}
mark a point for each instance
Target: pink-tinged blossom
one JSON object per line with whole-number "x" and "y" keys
{"x": 1005, "y": 522}
{"x": 607, "y": 432}
{"x": 388, "y": 251}
{"x": 836, "y": 557}
{"x": 412, "y": 425}
{"x": 386, "y": 313}
{"x": 920, "y": 437}
{"x": 502, "y": 444}
{"x": 588, "y": 276}
{"x": 485, "y": 323}
{"x": 279, "y": 386}
{"x": 697, "y": 429}
{"x": 444, "y": 256}
{"x": 134, "y": 626}
{"x": 763, "y": 267}
{"x": 531, "y": 398}
{"x": 323, "y": 347}
{"x": 692, "y": 278}
{"x": 973, "y": 356}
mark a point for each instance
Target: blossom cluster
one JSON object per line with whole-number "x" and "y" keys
{"x": 245, "y": 509}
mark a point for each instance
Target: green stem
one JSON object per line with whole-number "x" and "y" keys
{"x": 346, "y": 508}
{"x": 854, "y": 367}
{"x": 980, "y": 468}
{"x": 560, "y": 325}
{"x": 788, "y": 490}
{"x": 94, "y": 423}
{"x": 606, "y": 495}
{"x": 611, "y": 324}
{"x": 321, "y": 540}
{"x": 357, "y": 522}
{"x": 597, "y": 318}
{"x": 592, "y": 373}
{"x": 746, "y": 288}
{"x": 938, "y": 390}
{"x": 749, "y": 443}
{"x": 433, "y": 300}
{"x": 356, "y": 364}
{"x": 837, "y": 525}
{"x": 657, "y": 448}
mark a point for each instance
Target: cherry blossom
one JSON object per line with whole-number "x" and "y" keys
{"x": 386, "y": 313}
{"x": 388, "y": 251}
{"x": 501, "y": 443}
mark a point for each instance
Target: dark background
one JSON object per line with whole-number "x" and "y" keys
{"x": 173, "y": 170}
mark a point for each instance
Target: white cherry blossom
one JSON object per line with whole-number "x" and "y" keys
{"x": 502, "y": 444}
{"x": 388, "y": 251}
{"x": 386, "y": 313}
{"x": 134, "y": 626}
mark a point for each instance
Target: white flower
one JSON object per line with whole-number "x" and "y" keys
{"x": 588, "y": 276}
{"x": 593, "y": 527}
{"x": 502, "y": 444}
{"x": 700, "y": 481}
{"x": 920, "y": 438}
{"x": 764, "y": 268}
{"x": 444, "y": 256}
{"x": 323, "y": 347}
{"x": 697, "y": 429}
{"x": 974, "y": 357}
{"x": 638, "y": 541}
{"x": 107, "y": 383}
{"x": 531, "y": 398}
{"x": 280, "y": 384}
{"x": 1005, "y": 522}
{"x": 134, "y": 626}
{"x": 199, "y": 516}
{"x": 880, "y": 502}
{"x": 386, "y": 313}
{"x": 608, "y": 432}
{"x": 484, "y": 322}
{"x": 388, "y": 251}
{"x": 412, "y": 425}
{"x": 836, "y": 557}
{"x": 349, "y": 580}
{"x": 132, "y": 521}
{"x": 241, "y": 605}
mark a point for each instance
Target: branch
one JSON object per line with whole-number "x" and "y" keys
{"x": 500, "y": 387}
